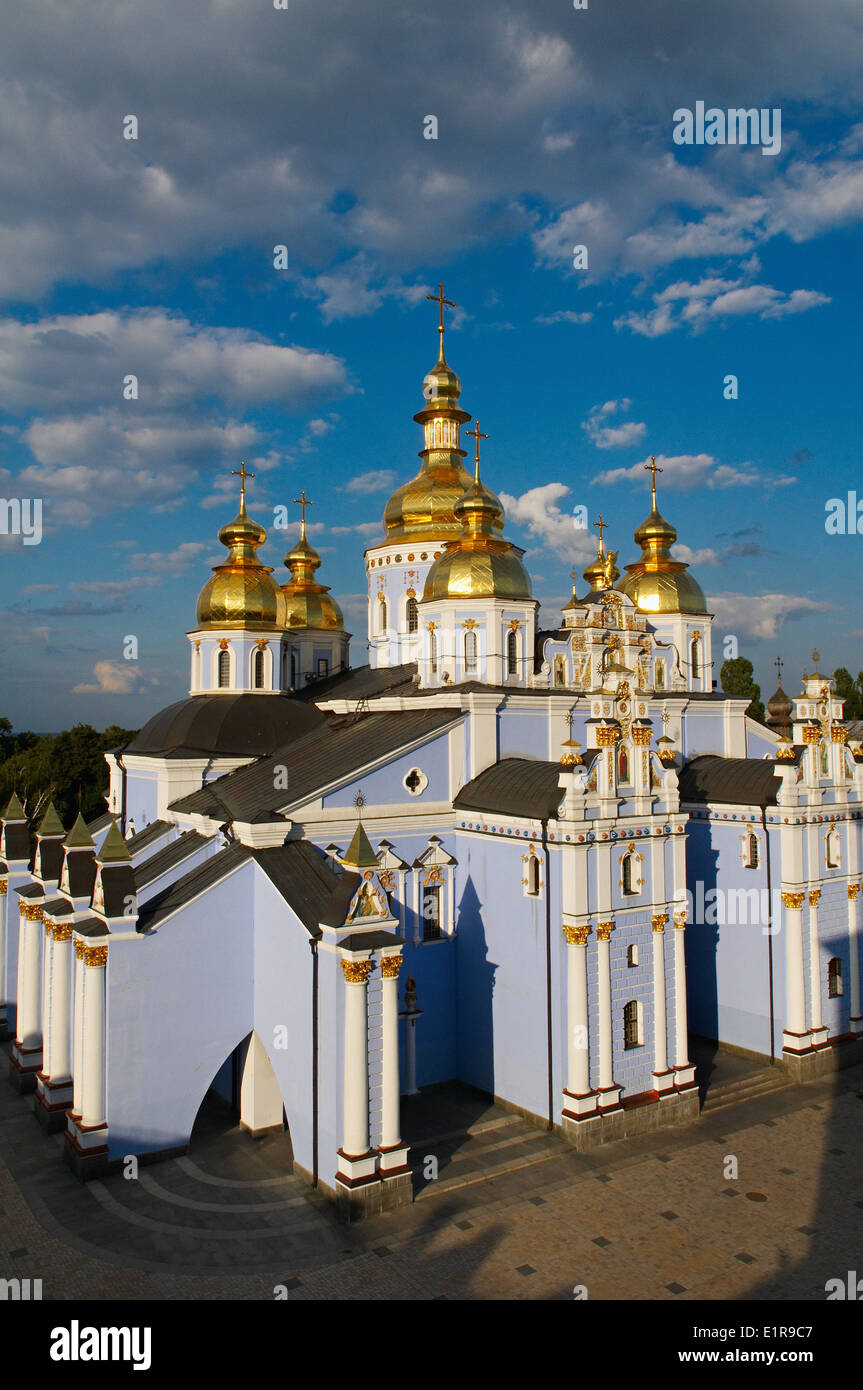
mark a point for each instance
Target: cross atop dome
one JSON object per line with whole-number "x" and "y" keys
{"x": 242, "y": 473}
{"x": 442, "y": 304}
{"x": 303, "y": 501}
{"x": 477, "y": 434}
{"x": 653, "y": 468}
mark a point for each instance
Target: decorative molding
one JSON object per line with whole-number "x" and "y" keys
{"x": 641, "y": 737}
{"x": 356, "y": 972}
{"x": 838, "y": 733}
{"x": 814, "y": 895}
{"x": 62, "y": 933}
{"x": 604, "y": 930}
{"x": 390, "y": 967}
{"x": 31, "y": 913}
{"x": 576, "y": 936}
{"x": 853, "y": 890}
{"x": 810, "y": 733}
{"x": 80, "y": 948}
{"x": 607, "y": 737}
{"x": 680, "y": 920}
{"x": 793, "y": 900}
{"x": 658, "y": 921}
{"x": 95, "y": 955}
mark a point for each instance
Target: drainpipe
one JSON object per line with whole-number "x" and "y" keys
{"x": 314, "y": 946}
{"x": 549, "y": 1033}
{"x": 769, "y": 932}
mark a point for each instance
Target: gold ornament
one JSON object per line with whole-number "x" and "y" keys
{"x": 95, "y": 955}
{"x": 576, "y": 936}
{"x": 604, "y": 930}
{"x": 390, "y": 967}
{"x": 356, "y": 972}
{"x": 853, "y": 890}
{"x": 658, "y": 921}
{"x": 814, "y": 896}
{"x": 793, "y": 900}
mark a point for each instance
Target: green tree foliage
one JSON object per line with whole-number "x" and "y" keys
{"x": 735, "y": 678}
{"x": 851, "y": 691}
{"x": 56, "y": 766}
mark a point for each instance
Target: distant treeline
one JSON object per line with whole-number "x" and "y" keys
{"x": 43, "y": 767}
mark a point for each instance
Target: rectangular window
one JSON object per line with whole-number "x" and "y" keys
{"x": 323, "y": 666}
{"x": 431, "y": 912}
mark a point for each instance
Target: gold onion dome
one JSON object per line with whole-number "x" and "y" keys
{"x": 242, "y": 592}
{"x": 480, "y": 564}
{"x": 657, "y": 583}
{"x": 424, "y": 508}
{"x": 307, "y": 603}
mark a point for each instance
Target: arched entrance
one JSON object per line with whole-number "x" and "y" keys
{"x": 244, "y": 1095}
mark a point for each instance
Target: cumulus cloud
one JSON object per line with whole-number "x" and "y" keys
{"x": 565, "y": 316}
{"x": 617, "y": 435}
{"x": 685, "y": 472}
{"x": 713, "y": 299}
{"x": 116, "y": 678}
{"x": 540, "y": 512}
{"x": 375, "y": 480}
{"x": 761, "y": 615}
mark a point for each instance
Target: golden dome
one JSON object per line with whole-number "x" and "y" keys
{"x": 424, "y": 508}
{"x": 657, "y": 583}
{"x": 480, "y": 564}
{"x": 241, "y": 593}
{"x": 307, "y": 603}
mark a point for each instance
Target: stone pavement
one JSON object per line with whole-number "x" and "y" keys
{"x": 513, "y": 1213}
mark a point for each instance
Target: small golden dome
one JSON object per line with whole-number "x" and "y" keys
{"x": 241, "y": 593}
{"x": 657, "y": 583}
{"x": 480, "y": 564}
{"x": 307, "y": 603}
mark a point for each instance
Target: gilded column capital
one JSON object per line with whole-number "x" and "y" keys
{"x": 641, "y": 737}
{"x": 658, "y": 921}
{"x": 604, "y": 930}
{"x": 576, "y": 936}
{"x": 356, "y": 972}
{"x": 680, "y": 920}
{"x": 95, "y": 955}
{"x": 62, "y": 933}
{"x": 793, "y": 900}
{"x": 390, "y": 967}
{"x": 838, "y": 733}
{"x": 4, "y": 887}
{"x": 31, "y": 913}
{"x": 814, "y": 896}
{"x": 853, "y": 890}
{"x": 80, "y": 948}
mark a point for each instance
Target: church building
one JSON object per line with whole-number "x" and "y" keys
{"x": 534, "y": 860}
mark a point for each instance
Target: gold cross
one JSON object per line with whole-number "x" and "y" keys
{"x": 441, "y": 302}
{"x": 779, "y": 663}
{"x": 243, "y": 475}
{"x": 476, "y": 434}
{"x": 653, "y": 469}
{"x": 601, "y": 526}
{"x": 303, "y": 501}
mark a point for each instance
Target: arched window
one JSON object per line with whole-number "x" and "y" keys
{"x": 631, "y": 1029}
{"x": 413, "y": 615}
{"x": 470, "y": 650}
{"x": 512, "y": 653}
{"x": 258, "y": 675}
{"x": 834, "y": 978}
{"x": 628, "y": 874}
{"x": 752, "y": 852}
{"x": 560, "y": 670}
{"x": 533, "y": 876}
{"x": 832, "y": 846}
{"x": 224, "y": 668}
{"x": 622, "y": 765}
{"x": 433, "y": 651}
{"x": 382, "y": 615}
{"x": 659, "y": 675}
{"x": 695, "y": 659}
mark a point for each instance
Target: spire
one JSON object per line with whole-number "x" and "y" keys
{"x": 360, "y": 854}
{"x": 79, "y": 836}
{"x": 442, "y": 304}
{"x": 114, "y": 849}
{"x": 50, "y": 824}
{"x": 14, "y": 810}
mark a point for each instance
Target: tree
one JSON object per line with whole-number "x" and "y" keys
{"x": 851, "y": 691}
{"x": 59, "y": 767}
{"x": 735, "y": 678}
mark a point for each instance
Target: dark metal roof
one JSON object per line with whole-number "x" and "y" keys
{"x": 369, "y": 941}
{"x": 730, "y": 781}
{"x": 57, "y": 907}
{"x": 366, "y": 681}
{"x": 516, "y": 787}
{"x": 92, "y": 927}
{"x": 148, "y": 836}
{"x": 31, "y": 890}
{"x": 100, "y": 823}
{"x": 191, "y": 885}
{"x": 168, "y": 858}
{"x": 320, "y": 758}
{"x": 304, "y": 878}
{"x": 238, "y": 725}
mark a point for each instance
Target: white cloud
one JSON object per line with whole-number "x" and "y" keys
{"x": 685, "y": 472}
{"x": 713, "y": 299}
{"x": 761, "y": 615}
{"x": 539, "y": 510}
{"x": 375, "y": 480}
{"x": 612, "y": 436}
{"x": 116, "y": 678}
{"x": 565, "y": 316}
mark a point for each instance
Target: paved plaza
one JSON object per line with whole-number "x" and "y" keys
{"x": 512, "y": 1214}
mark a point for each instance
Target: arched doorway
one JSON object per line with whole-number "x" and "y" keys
{"x": 244, "y": 1095}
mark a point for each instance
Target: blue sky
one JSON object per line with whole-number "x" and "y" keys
{"x": 305, "y": 128}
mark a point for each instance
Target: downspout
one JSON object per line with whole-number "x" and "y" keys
{"x": 769, "y": 933}
{"x": 549, "y": 1033}
{"x": 314, "y": 946}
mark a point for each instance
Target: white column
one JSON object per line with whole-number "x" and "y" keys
{"x": 356, "y": 1100}
{"x": 62, "y": 973}
{"x": 681, "y": 1041}
{"x": 854, "y": 949}
{"x": 606, "y": 1055}
{"x": 78, "y": 1034}
{"x": 390, "y": 1136}
{"x": 93, "y": 1028}
{"x": 29, "y": 1028}
{"x": 660, "y": 1042}
{"x": 47, "y": 964}
{"x": 4, "y": 908}
{"x": 816, "y": 1021}
{"x": 578, "y": 1053}
{"x": 795, "y": 992}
